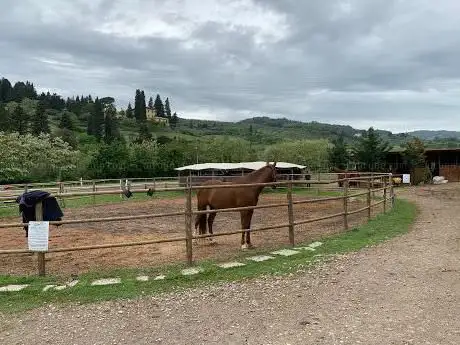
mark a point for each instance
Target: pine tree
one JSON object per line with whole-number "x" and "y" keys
{"x": 159, "y": 107}
{"x": 90, "y": 124}
{"x": 66, "y": 121}
{"x": 4, "y": 119}
{"x": 111, "y": 130}
{"x": 371, "y": 151}
{"x": 6, "y": 90}
{"x": 137, "y": 105}
{"x": 168, "y": 109}
{"x": 129, "y": 111}
{"x": 338, "y": 155}
{"x": 19, "y": 121}
{"x": 98, "y": 119}
{"x": 150, "y": 102}
{"x": 143, "y": 111}
{"x": 40, "y": 120}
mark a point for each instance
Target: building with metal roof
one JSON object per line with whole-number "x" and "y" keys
{"x": 228, "y": 171}
{"x": 238, "y": 166}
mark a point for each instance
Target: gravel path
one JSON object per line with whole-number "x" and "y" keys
{"x": 405, "y": 291}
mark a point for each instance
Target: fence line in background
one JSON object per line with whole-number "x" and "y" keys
{"x": 189, "y": 212}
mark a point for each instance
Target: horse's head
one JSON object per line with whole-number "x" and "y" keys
{"x": 272, "y": 177}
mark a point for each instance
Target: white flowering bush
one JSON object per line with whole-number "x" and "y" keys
{"x": 28, "y": 157}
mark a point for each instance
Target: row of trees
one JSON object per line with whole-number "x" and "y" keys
{"x": 370, "y": 153}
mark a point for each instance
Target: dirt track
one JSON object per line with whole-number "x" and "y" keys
{"x": 405, "y": 291}
{"x": 68, "y": 263}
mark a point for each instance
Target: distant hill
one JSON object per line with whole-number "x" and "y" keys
{"x": 435, "y": 135}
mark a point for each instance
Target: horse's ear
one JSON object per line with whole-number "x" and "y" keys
{"x": 267, "y": 163}
{"x": 274, "y": 163}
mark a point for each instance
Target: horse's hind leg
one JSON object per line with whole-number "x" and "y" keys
{"x": 210, "y": 222}
{"x": 246, "y": 217}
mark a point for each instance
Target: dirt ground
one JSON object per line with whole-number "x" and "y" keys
{"x": 77, "y": 262}
{"x": 404, "y": 291}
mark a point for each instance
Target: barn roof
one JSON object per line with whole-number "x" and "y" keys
{"x": 235, "y": 166}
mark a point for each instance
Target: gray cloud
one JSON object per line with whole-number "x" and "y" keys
{"x": 387, "y": 63}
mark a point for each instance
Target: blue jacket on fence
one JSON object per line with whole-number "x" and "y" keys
{"x": 27, "y": 202}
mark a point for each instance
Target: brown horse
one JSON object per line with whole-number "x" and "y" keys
{"x": 219, "y": 198}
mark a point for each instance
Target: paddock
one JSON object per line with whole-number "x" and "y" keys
{"x": 172, "y": 227}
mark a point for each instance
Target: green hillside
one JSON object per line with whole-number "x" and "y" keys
{"x": 86, "y": 136}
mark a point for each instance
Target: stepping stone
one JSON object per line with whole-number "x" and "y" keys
{"x": 285, "y": 252}
{"x": 231, "y": 264}
{"x": 306, "y": 248}
{"x": 159, "y": 277}
{"x": 259, "y": 258}
{"x": 62, "y": 287}
{"x": 142, "y": 278}
{"x": 190, "y": 271}
{"x": 106, "y": 281}
{"x": 13, "y": 287}
{"x": 315, "y": 244}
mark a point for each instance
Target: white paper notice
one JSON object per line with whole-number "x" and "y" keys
{"x": 406, "y": 178}
{"x": 38, "y": 236}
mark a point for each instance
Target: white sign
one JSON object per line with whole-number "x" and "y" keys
{"x": 38, "y": 236}
{"x": 406, "y": 178}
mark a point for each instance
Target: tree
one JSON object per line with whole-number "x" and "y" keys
{"x": 111, "y": 129}
{"x": 139, "y": 106}
{"x": 168, "y": 110}
{"x": 66, "y": 121}
{"x": 6, "y": 90}
{"x": 98, "y": 119}
{"x": 27, "y": 157}
{"x": 159, "y": 107}
{"x": 174, "y": 120}
{"x": 338, "y": 155}
{"x": 19, "y": 121}
{"x": 40, "y": 120}
{"x": 150, "y": 102}
{"x": 4, "y": 119}
{"x": 414, "y": 153}
{"x": 370, "y": 151}
{"x": 144, "y": 132}
{"x": 129, "y": 111}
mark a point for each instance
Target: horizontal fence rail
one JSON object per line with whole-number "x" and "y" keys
{"x": 188, "y": 213}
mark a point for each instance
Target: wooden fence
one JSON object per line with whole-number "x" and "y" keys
{"x": 188, "y": 213}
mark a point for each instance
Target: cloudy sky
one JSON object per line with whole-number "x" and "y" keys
{"x": 391, "y": 64}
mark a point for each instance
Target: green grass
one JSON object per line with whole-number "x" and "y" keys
{"x": 384, "y": 226}
{"x": 13, "y": 210}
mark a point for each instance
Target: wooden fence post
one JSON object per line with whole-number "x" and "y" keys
{"x": 384, "y": 195}
{"x": 390, "y": 181}
{"x": 188, "y": 222}
{"x": 290, "y": 214}
{"x": 40, "y": 255}
{"x": 94, "y": 190}
{"x": 345, "y": 203}
{"x": 61, "y": 191}
{"x": 369, "y": 199}
{"x": 372, "y": 184}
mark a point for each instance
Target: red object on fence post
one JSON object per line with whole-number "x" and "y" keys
{"x": 345, "y": 203}
{"x": 188, "y": 222}
{"x": 40, "y": 255}
{"x": 290, "y": 214}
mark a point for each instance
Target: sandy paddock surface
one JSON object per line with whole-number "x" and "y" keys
{"x": 77, "y": 262}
